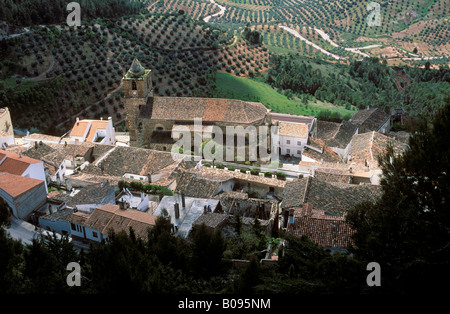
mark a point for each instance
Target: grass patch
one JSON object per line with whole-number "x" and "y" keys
{"x": 229, "y": 86}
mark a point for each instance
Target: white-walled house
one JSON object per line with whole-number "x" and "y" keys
{"x": 22, "y": 194}
{"x": 22, "y": 165}
{"x": 292, "y": 138}
{"x": 93, "y": 131}
{"x": 95, "y": 226}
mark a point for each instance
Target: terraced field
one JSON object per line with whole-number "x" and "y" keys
{"x": 405, "y": 25}
{"x": 82, "y": 68}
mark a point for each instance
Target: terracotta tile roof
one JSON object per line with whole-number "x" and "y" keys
{"x": 96, "y": 124}
{"x": 194, "y": 186}
{"x": 368, "y": 146}
{"x": 14, "y": 163}
{"x": 336, "y": 135}
{"x": 135, "y": 160}
{"x": 209, "y": 109}
{"x": 369, "y": 119}
{"x": 222, "y": 174}
{"x": 333, "y": 175}
{"x": 16, "y": 185}
{"x": 331, "y": 197}
{"x": 292, "y": 129}
{"x": 308, "y": 120}
{"x": 294, "y": 192}
{"x": 326, "y": 231}
{"x": 111, "y": 217}
{"x": 79, "y": 129}
{"x": 327, "y": 155}
{"x": 212, "y": 220}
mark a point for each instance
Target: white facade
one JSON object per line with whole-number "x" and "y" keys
{"x": 86, "y": 232}
{"x": 93, "y": 131}
{"x": 293, "y": 146}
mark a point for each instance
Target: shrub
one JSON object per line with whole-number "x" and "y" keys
{"x": 268, "y": 174}
{"x": 254, "y": 172}
{"x": 207, "y": 165}
{"x": 231, "y": 168}
{"x": 243, "y": 170}
{"x": 220, "y": 166}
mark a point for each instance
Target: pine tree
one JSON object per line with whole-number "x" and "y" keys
{"x": 407, "y": 230}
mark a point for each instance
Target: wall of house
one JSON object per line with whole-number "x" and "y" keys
{"x": 25, "y": 204}
{"x": 8, "y": 140}
{"x": 293, "y": 148}
{"x": 86, "y": 232}
{"x": 110, "y": 136}
{"x": 36, "y": 171}
{"x": 58, "y": 226}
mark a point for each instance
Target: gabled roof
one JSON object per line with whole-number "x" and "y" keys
{"x": 308, "y": 120}
{"x": 331, "y": 197}
{"x": 336, "y": 135}
{"x": 209, "y": 109}
{"x": 368, "y": 146}
{"x": 369, "y": 119}
{"x": 134, "y": 160}
{"x": 90, "y": 126}
{"x": 326, "y": 231}
{"x": 111, "y": 217}
{"x": 327, "y": 154}
{"x": 292, "y": 129}
{"x": 14, "y": 163}
{"x": 16, "y": 185}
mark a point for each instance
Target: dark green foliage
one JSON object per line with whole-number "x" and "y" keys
{"x": 38, "y": 12}
{"x": 361, "y": 84}
{"x": 207, "y": 252}
{"x": 253, "y": 37}
{"x": 406, "y": 231}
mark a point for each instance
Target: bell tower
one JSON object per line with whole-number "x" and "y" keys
{"x": 137, "y": 87}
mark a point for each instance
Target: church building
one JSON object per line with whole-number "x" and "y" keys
{"x": 151, "y": 118}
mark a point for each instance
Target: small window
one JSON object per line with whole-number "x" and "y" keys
{"x": 288, "y": 141}
{"x": 133, "y": 85}
{"x": 299, "y": 143}
{"x": 299, "y": 152}
{"x": 288, "y": 151}
{"x": 131, "y": 177}
{"x": 72, "y": 225}
{"x": 94, "y": 234}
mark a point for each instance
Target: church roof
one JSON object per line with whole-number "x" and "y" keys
{"x": 209, "y": 109}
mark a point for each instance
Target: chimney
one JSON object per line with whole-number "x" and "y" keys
{"x": 78, "y": 121}
{"x": 109, "y": 118}
{"x": 183, "y": 200}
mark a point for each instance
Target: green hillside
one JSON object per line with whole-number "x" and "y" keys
{"x": 229, "y": 86}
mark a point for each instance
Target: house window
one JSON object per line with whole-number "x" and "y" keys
{"x": 299, "y": 152}
{"x": 299, "y": 143}
{"x": 72, "y": 225}
{"x": 94, "y": 234}
{"x": 288, "y": 141}
{"x": 288, "y": 151}
{"x": 133, "y": 85}
{"x": 131, "y": 177}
